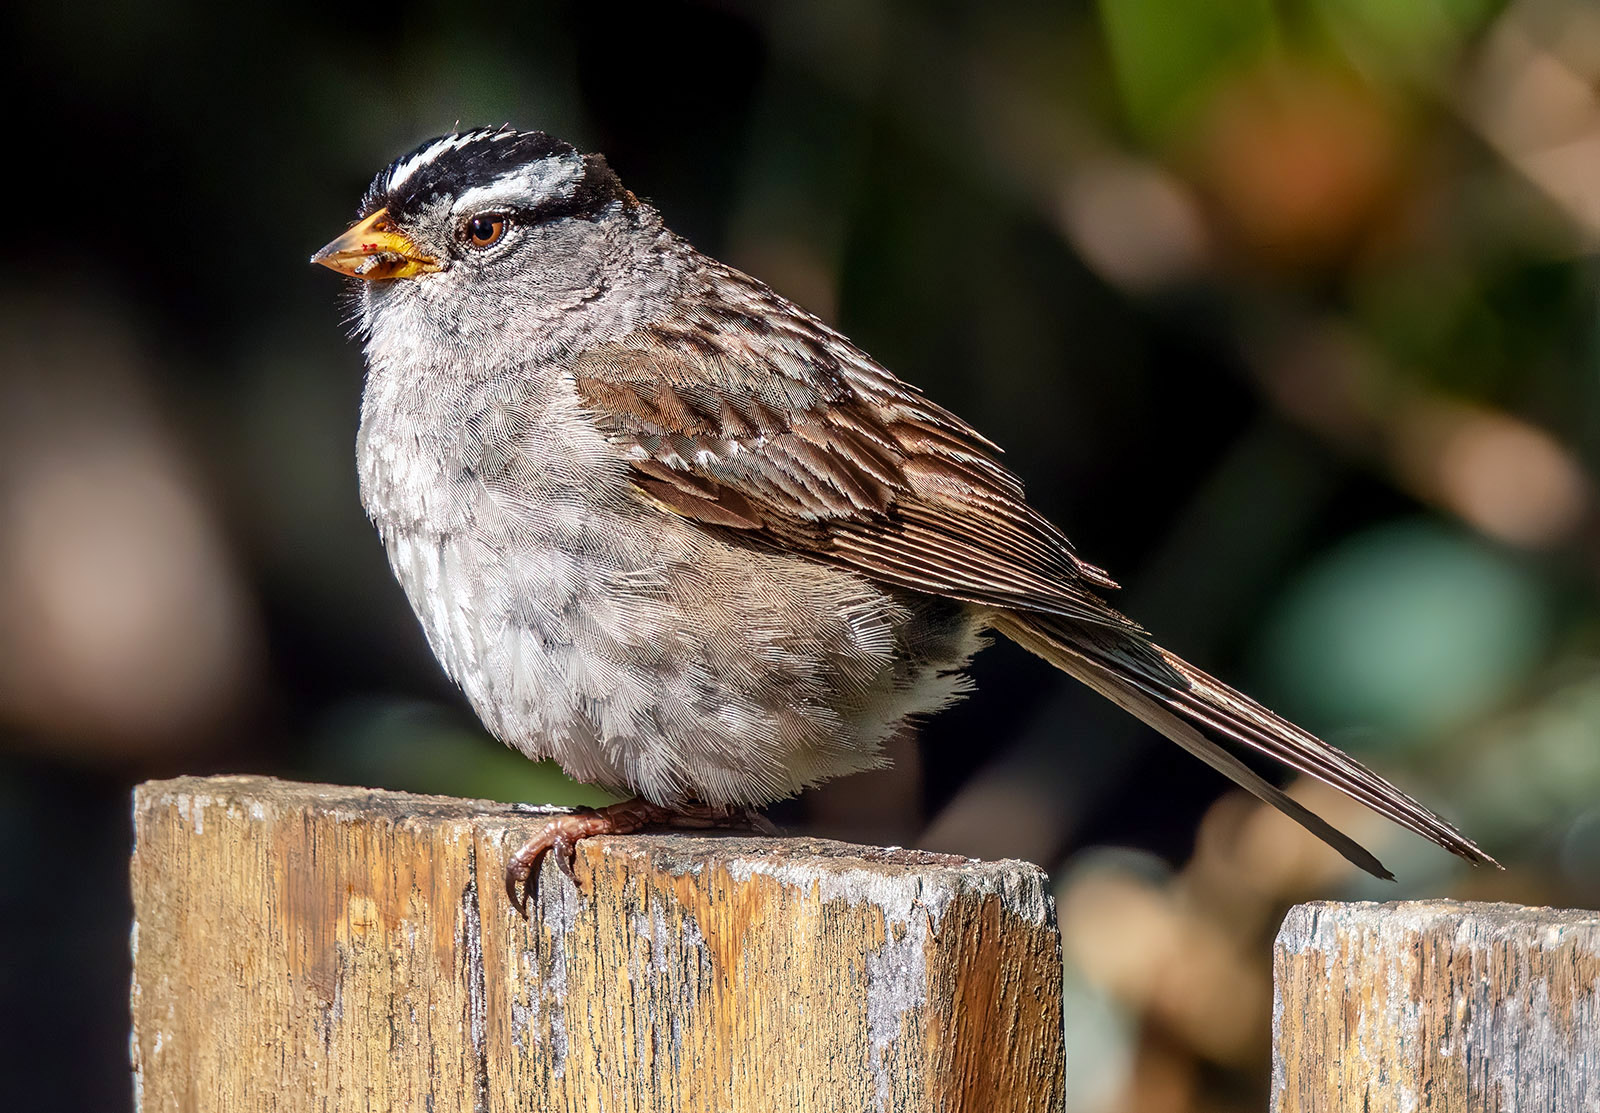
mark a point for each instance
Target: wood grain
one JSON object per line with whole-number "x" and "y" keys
{"x": 1437, "y": 1005}
{"x": 306, "y": 947}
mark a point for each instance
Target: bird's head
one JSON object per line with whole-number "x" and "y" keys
{"x": 487, "y": 233}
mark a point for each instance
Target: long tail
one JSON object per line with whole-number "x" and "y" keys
{"x": 1178, "y": 700}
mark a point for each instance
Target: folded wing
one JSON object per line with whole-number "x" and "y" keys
{"x": 744, "y": 414}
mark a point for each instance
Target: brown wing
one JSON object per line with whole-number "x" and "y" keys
{"x": 742, "y": 413}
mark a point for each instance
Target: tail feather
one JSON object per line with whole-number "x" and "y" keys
{"x": 1175, "y": 698}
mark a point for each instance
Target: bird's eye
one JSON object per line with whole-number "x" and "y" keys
{"x": 485, "y": 229}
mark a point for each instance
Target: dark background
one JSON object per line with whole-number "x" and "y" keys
{"x": 1285, "y": 311}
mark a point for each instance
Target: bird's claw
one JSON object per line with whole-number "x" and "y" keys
{"x": 561, "y": 835}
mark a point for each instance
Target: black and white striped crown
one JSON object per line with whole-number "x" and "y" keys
{"x": 519, "y": 169}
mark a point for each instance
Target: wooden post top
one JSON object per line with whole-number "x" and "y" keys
{"x": 1320, "y": 924}
{"x": 347, "y": 948}
{"x": 1437, "y": 1005}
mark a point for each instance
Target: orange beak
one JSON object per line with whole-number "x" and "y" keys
{"x": 375, "y": 249}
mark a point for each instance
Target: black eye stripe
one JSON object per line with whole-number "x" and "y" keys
{"x": 577, "y": 207}
{"x": 594, "y": 194}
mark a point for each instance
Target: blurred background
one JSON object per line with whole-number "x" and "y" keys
{"x": 1284, "y": 309}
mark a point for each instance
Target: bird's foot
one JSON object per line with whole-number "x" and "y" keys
{"x": 560, "y": 836}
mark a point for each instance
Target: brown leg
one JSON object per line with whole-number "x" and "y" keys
{"x": 562, "y": 833}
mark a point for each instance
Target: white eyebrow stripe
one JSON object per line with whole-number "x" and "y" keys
{"x": 547, "y": 178}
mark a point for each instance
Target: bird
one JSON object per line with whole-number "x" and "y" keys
{"x": 666, "y": 527}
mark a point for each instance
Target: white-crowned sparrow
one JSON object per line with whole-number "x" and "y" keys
{"x": 671, "y": 530}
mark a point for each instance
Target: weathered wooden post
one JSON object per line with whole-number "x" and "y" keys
{"x": 1419, "y": 1006}
{"x": 306, "y": 947}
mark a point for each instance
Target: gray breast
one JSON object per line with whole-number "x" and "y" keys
{"x": 639, "y": 650}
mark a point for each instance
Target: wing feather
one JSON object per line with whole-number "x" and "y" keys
{"x": 794, "y": 436}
